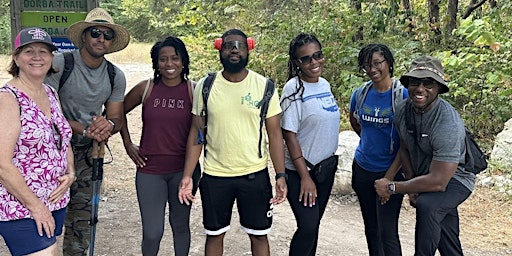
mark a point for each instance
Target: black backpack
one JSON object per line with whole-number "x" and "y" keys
{"x": 69, "y": 63}
{"x": 476, "y": 160}
{"x": 263, "y": 105}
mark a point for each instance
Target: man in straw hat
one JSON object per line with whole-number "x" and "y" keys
{"x": 432, "y": 149}
{"x": 82, "y": 95}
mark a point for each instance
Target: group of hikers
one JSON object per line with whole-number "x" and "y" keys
{"x": 411, "y": 142}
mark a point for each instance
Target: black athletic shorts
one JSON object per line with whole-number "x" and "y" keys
{"x": 252, "y": 193}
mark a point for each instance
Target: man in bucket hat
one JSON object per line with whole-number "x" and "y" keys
{"x": 433, "y": 150}
{"x": 82, "y": 95}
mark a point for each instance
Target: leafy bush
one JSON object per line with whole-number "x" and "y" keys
{"x": 5, "y": 28}
{"x": 476, "y": 55}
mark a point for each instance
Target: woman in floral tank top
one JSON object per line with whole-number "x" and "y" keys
{"x": 36, "y": 160}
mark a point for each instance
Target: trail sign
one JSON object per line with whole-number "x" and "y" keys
{"x": 54, "y": 16}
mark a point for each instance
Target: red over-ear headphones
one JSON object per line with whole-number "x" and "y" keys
{"x": 218, "y": 43}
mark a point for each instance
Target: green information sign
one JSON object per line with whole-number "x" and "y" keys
{"x": 54, "y": 16}
{"x": 55, "y": 23}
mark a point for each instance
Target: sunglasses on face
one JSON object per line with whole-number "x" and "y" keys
{"x": 367, "y": 67}
{"x": 427, "y": 83}
{"x": 241, "y": 46}
{"x": 107, "y": 34}
{"x": 308, "y": 58}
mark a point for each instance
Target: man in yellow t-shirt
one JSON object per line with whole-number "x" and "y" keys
{"x": 233, "y": 169}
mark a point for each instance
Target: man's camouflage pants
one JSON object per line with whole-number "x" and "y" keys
{"x": 77, "y": 228}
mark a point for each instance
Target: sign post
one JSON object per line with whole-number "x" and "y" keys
{"x": 54, "y": 16}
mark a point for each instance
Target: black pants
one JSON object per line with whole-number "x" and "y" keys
{"x": 437, "y": 220}
{"x": 305, "y": 239}
{"x": 380, "y": 221}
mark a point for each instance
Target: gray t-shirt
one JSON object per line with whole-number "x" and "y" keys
{"x": 438, "y": 134}
{"x": 85, "y": 91}
{"x": 315, "y": 118}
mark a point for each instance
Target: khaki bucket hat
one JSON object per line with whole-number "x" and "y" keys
{"x": 426, "y": 67}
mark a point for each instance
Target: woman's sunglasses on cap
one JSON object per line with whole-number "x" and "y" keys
{"x": 308, "y": 58}
{"x": 107, "y": 34}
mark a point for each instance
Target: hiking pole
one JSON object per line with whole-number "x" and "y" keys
{"x": 98, "y": 151}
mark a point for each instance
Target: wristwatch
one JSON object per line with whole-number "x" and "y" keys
{"x": 392, "y": 188}
{"x": 282, "y": 174}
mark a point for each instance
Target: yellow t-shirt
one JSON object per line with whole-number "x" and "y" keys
{"x": 234, "y": 125}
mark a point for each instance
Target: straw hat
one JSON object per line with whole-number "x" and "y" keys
{"x": 99, "y": 17}
{"x": 426, "y": 67}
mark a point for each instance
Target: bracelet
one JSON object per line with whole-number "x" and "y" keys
{"x": 297, "y": 158}
{"x": 84, "y": 132}
{"x": 282, "y": 174}
{"x": 112, "y": 123}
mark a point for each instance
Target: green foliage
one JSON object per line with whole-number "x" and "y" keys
{"x": 476, "y": 55}
{"x": 481, "y": 87}
{"x": 5, "y": 28}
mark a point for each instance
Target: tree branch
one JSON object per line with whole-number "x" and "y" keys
{"x": 473, "y": 7}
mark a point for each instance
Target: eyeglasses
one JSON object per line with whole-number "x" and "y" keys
{"x": 107, "y": 34}
{"x": 57, "y": 137}
{"x": 367, "y": 67}
{"x": 241, "y": 46}
{"x": 318, "y": 56}
{"x": 427, "y": 83}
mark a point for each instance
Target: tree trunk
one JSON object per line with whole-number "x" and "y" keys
{"x": 358, "y": 37}
{"x": 406, "y": 4}
{"x": 433, "y": 14}
{"x": 453, "y": 5}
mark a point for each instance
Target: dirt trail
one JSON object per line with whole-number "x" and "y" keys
{"x": 119, "y": 227}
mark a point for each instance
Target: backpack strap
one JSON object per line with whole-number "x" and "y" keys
{"x": 263, "y": 105}
{"x": 191, "y": 86}
{"x": 361, "y": 93}
{"x": 111, "y": 76}
{"x": 69, "y": 63}
{"x": 207, "y": 86}
{"x": 143, "y": 99}
{"x": 111, "y": 73}
{"x": 397, "y": 95}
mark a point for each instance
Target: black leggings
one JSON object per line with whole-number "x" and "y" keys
{"x": 380, "y": 221}
{"x": 153, "y": 192}
{"x": 305, "y": 239}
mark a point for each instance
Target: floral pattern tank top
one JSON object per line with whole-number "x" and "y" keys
{"x": 40, "y": 153}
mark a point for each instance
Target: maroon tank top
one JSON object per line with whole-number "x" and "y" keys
{"x": 166, "y": 120}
